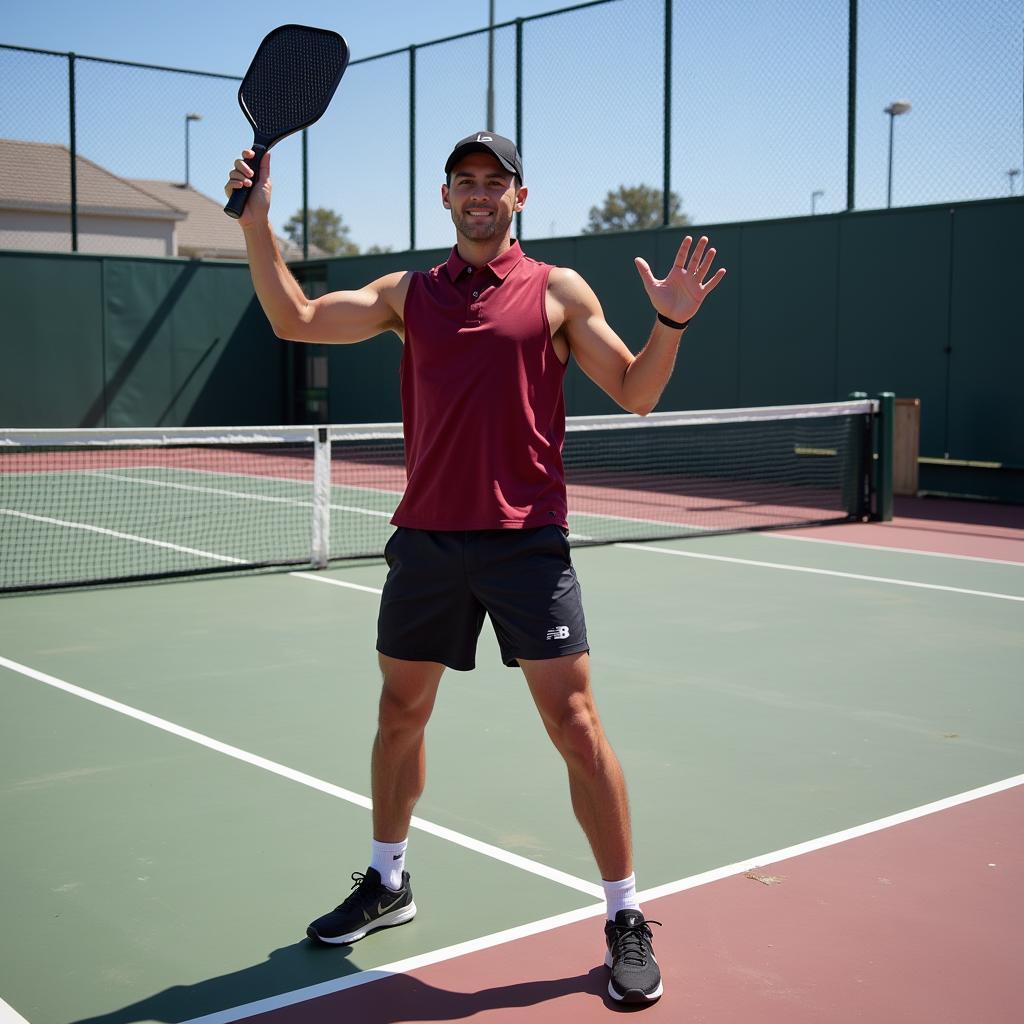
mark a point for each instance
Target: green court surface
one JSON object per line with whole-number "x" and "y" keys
{"x": 149, "y": 876}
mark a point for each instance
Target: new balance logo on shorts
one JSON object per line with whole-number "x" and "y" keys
{"x": 559, "y": 633}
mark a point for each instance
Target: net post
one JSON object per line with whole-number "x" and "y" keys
{"x": 858, "y": 487}
{"x": 321, "y": 525}
{"x": 883, "y": 465}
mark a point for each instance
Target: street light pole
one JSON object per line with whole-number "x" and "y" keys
{"x": 189, "y": 118}
{"x": 1011, "y": 174}
{"x": 490, "y": 68}
{"x": 814, "y": 199}
{"x": 893, "y": 110}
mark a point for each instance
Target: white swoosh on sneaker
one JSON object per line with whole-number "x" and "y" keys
{"x": 381, "y": 909}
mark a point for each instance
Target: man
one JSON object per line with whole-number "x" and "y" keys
{"x": 482, "y": 527}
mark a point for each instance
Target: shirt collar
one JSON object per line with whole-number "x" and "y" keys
{"x": 501, "y": 266}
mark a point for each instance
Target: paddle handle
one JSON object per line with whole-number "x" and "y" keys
{"x": 236, "y": 204}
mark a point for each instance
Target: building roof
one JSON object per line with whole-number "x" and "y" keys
{"x": 37, "y": 176}
{"x": 206, "y": 231}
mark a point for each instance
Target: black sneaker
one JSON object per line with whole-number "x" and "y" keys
{"x": 370, "y": 906}
{"x": 636, "y": 977}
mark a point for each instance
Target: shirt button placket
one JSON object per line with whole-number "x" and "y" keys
{"x": 473, "y": 310}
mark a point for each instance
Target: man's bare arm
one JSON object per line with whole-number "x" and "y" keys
{"x": 338, "y": 318}
{"x": 635, "y": 382}
{"x": 341, "y": 317}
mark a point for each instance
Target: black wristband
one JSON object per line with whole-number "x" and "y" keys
{"x": 674, "y": 324}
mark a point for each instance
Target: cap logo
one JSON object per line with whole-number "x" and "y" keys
{"x": 484, "y": 138}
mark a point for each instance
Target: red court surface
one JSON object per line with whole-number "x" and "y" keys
{"x": 944, "y": 526}
{"x": 916, "y": 922}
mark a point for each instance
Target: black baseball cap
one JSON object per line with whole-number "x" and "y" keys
{"x": 504, "y": 150}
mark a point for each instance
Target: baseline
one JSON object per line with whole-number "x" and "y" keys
{"x": 750, "y": 864}
{"x": 916, "y": 924}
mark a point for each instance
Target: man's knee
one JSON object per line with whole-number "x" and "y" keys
{"x": 407, "y": 697}
{"x": 398, "y": 712}
{"x": 578, "y": 735}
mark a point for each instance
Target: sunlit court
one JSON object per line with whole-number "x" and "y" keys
{"x": 569, "y": 520}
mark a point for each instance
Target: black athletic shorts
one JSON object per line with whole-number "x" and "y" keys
{"x": 441, "y": 583}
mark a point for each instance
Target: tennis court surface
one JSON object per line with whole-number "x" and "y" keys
{"x": 821, "y": 729}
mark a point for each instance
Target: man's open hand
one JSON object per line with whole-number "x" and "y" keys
{"x": 680, "y": 292}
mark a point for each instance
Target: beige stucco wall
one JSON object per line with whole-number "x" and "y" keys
{"x": 51, "y": 232}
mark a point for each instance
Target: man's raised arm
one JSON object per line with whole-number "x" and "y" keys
{"x": 340, "y": 317}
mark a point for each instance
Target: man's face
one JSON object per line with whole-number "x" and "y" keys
{"x": 482, "y": 197}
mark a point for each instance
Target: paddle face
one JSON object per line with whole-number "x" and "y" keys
{"x": 288, "y": 87}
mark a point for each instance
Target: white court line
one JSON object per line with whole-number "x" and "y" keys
{"x": 123, "y": 536}
{"x": 267, "y": 476}
{"x": 902, "y": 551}
{"x": 9, "y": 1015}
{"x": 667, "y": 525}
{"x": 821, "y": 572}
{"x": 334, "y": 582}
{"x": 550, "y": 923}
{"x": 834, "y": 839}
{"x": 411, "y": 963}
{"x": 439, "y": 831}
{"x": 224, "y": 493}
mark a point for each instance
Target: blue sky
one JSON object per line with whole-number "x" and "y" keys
{"x": 222, "y": 37}
{"x": 759, "y": 116}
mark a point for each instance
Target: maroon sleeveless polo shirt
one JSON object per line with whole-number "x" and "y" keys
{"x": 482, "y": 407}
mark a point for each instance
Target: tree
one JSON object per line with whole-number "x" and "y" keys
{"x": 633, "y": 207}
{"x": 327, "y": 231}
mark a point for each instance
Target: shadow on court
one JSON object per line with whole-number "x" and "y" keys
{"x": 392, "y": 998}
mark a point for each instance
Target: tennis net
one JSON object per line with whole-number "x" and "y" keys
{"x": 90, "y": 507}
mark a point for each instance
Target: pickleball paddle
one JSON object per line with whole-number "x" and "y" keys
{"x": 288, "y": 87}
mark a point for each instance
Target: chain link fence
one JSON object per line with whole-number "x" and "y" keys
{"x": 745, "y": 110}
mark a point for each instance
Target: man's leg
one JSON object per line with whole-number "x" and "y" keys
{"x": 561, "y": 691}
{"x": 398, "y": 764}
{"x": 383, "y": 896}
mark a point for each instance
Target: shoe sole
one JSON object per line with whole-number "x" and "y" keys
{"x": 391, "y": 920}
{"x": 631, "y": 995}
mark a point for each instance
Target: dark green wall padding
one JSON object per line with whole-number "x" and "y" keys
{"x": 96, "y": 341}
{"x": 923, "y": 301}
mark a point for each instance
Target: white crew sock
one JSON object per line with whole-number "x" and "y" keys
{"x": 620, "y": 895}
{"x": 389, "y": 860}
